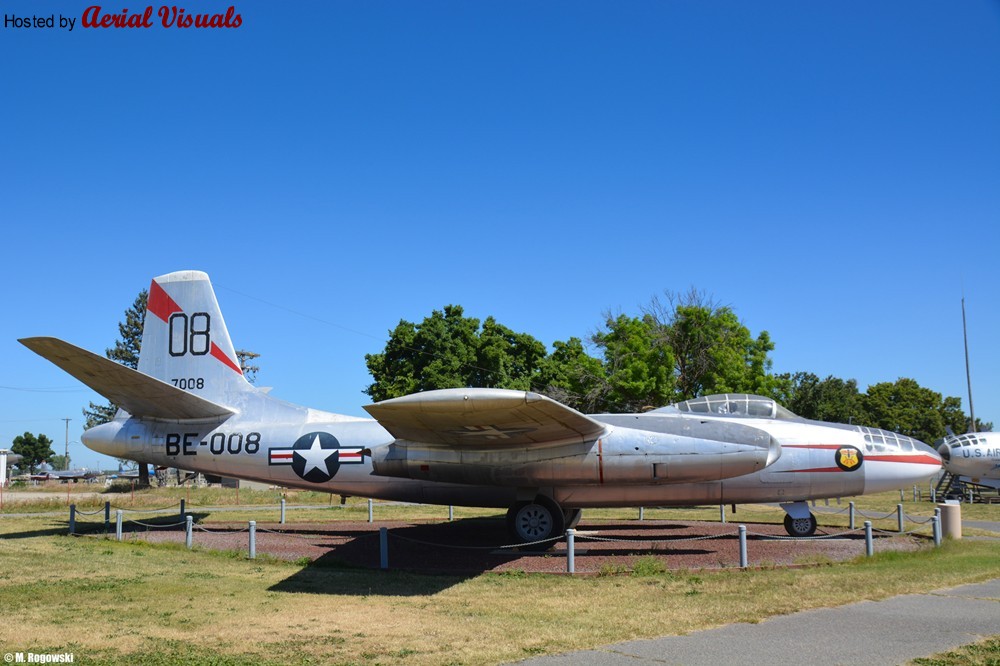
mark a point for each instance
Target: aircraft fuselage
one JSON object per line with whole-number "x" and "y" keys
{"x": 303, "y": 448}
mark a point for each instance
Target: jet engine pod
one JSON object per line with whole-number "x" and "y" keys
{"x": 624, "y": 457}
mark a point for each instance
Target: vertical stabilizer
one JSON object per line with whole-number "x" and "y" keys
{"x": 185, "y": 341}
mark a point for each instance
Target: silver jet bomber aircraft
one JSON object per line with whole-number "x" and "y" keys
{"x": 189, "y": 406}
{"x": 973, "y": 457}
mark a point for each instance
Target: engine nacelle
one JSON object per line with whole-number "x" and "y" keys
{"x": 624, "y": 456}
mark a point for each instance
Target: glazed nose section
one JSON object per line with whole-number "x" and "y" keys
{"x": 892, "y": 470}
{"x": 931, "y": 452}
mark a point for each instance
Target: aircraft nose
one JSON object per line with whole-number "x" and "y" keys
{"x": 103, "y": 439}
{"x": 944, "y": 451}
{"x": 891, "y": 470}
{"x": 928, "y": 452}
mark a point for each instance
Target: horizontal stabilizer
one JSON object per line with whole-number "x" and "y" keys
{"x": 484, "y": 419}
{"x": 138, "y": 394}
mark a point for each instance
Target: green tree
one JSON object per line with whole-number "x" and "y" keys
{"x": 957, "y": 420}
{"x": 449, "y": 350}
{"x": 953, "y": 416}
{"x": 573, "y": 377}
{"x": 902, "y": 406}
{"x": 906, "y": 407}
{"x": 506, "y": 359}
{"x": 638, "y": 364}
{"x": 713, "y": 351}
{"x": 33, "y": 450}
{"x": 832, "y": 399}
{"x": 125, "y": 351}
{"x": 680, "y": 348}
{"x": 683, "y": 349}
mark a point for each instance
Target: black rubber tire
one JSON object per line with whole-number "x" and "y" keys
{"x": 536, "y": 520}
{"x": 800, "y": 527}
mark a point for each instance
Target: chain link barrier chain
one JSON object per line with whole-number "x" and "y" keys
{"x": 776, "y": 537}
{"x": 205, "y": 529}
{"x": 81, "y": 512}
{"x": 152, "y": 525}
{"x": 306, "y": 536}
{"x": 457, "y": 547}
{"x": 873, "y": 516}
{"x": 707, "y": 537}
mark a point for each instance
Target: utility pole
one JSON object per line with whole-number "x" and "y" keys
{"x": 968, "y": 377}
{"x": 66, "y": 457}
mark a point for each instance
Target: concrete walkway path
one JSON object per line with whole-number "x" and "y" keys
{"x": 892, "y": 631}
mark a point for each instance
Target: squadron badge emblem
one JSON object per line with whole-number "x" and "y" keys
{"x": 848, "y": 458}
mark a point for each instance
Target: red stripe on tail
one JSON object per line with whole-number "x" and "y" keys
{"x": 159, "y": 302}
{"x": 221, "y": 355}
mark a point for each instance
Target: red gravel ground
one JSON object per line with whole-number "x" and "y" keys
{"x": 470, "y": 546}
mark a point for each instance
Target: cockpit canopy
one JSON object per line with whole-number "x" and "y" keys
{"x": 735, "y": 404}
{"x": 945, "y": 445}
{"x": 968, "y": 439}
{"x": 879, "y": 440}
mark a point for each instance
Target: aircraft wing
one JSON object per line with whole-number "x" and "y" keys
{"x": 138, "y": 394}
{"x": 73, "y": 474}
{"x": 484, "y": 418}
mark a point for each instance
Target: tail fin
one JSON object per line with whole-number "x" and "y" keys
{"x": 185, "y": 341}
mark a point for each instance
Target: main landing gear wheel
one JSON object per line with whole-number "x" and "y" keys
{"x": 536, "y": 520}
{"x": 800, "y": 527}
{"x": 572, "y": 517}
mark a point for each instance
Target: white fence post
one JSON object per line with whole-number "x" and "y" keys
{"x": 571, "y": 550}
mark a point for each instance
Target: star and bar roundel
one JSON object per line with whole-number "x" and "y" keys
{"x": 316, "y": 456}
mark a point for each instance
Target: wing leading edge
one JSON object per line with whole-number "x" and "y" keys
{"x": 484, "y": 419}
{"x": 138, "y": 394}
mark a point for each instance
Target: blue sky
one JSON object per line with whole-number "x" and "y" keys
{"x": 828, "y": 169}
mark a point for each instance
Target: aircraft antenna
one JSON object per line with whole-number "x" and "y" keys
{"x": 968, "y": 376}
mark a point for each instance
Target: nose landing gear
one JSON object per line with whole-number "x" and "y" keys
{"x": 799, "y": 521}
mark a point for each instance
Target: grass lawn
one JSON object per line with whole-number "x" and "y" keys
{"x": 102, "y": 599}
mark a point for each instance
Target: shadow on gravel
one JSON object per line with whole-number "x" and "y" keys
{"x": 450, "y": 552}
